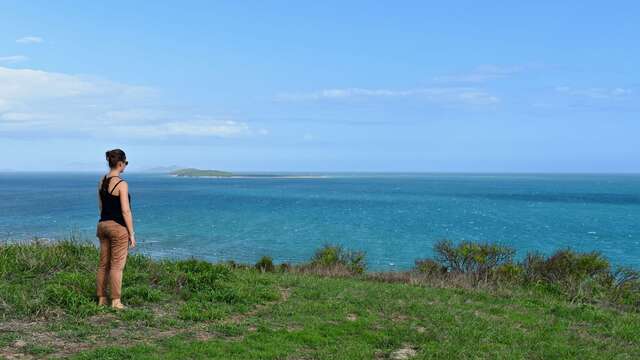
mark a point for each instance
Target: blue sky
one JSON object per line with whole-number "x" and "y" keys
{"x": 322, "y": 86}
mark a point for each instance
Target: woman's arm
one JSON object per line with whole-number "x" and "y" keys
{"x": 126, "y": 212}
{"x": 99, "y": 198}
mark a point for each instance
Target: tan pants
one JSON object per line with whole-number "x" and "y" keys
{"x": 114, "y": 245}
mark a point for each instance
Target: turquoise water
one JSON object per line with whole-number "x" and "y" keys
{"x": 394, "y": 218}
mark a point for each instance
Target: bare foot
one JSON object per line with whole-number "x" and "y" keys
{"x": 116, "y": 304}
{"x": 102, "y": 301}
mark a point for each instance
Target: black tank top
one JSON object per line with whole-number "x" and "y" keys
{"x": 111, "y": 208}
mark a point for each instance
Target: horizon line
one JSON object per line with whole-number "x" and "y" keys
{"x": 245, "y": 172}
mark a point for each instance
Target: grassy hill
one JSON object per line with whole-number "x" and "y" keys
{"x": 198, "y": 172}
{"x": 327, "y": 309}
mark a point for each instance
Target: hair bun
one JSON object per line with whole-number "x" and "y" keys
{"x": 114, "y": 156}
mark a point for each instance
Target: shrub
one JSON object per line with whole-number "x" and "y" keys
{"x": 335, "y": 256}
{"x": 626, "y": 287}
{"x": 265, "y": 264}
{"x": 236, "y": 265}
{"x": 565, "y": 265}
{"x": 430, "y": 267}
{"x": 626, "y": 278}
{"x": 508, "y": 273}
{"x": 581, "y": 276}
{"x": 284, "y": 267}
{"x": 475, "y": 259}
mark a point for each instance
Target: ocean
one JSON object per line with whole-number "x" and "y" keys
{"x": 394, "y": 218}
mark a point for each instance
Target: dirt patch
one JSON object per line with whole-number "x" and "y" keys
{"x": 405, "y": 352}
{"x": 398, "y": 318}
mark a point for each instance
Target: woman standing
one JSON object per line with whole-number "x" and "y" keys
{"x": 115, "y": 229}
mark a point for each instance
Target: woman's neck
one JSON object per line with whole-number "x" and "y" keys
{"x": 114, "y": 173}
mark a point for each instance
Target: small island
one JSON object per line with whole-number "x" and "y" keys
{"x": 192, "y": 172}
{"x": 200, "y": 173}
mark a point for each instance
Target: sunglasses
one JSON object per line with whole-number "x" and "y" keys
{"x": 126, "y": 162}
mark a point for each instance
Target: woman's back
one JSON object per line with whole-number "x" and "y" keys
{"x": 111, "y": 206}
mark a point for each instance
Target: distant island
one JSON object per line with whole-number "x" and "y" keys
{"x": 192, "y": 172}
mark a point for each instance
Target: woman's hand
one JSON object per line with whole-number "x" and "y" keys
{"x": 132, "y": 240}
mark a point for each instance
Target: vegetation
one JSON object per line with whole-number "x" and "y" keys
{"x": 583, "y": 277}
{"x": 335, "y": 260}
{"x": 471, "y": 302}
{"x": 192, "y": 172}
{"x": 265, "y": 264}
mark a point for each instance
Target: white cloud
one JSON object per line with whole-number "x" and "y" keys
{"x": 465, "y": 95}
{"x": 483, "y": 73}
{"x": 25, "y": 116}
{"x": 194, "y": 128}
{"x": 27, "y": 84}
{"x": 34, "y": 101}
{"x": 13, "y": 59}
{"x": 595, "y": 92}
{"x": 30, "y": 40}
{"x": 136, "y": 114}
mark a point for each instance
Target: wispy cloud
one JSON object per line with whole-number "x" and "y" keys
{"x": 30, "y": 40}
{"x": 34, "y": 101}
{"x": 13, "y": 59}
{"x": 483, "y": 73}
{"x": 595, "y": 92}
{"x": 28, "y": 85}
{"x": 466, "y": 95}
{"x": 191, "y": 128}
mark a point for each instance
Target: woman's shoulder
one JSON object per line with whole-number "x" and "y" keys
{"x": 115, "y": 181}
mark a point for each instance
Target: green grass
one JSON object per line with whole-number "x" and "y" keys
{"x": 194, "y": 309}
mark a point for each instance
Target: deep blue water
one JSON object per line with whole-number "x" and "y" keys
{"x": 394, "y": 218}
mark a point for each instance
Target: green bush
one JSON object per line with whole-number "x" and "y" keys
{"x": 565, "y": 265}
{"x": 334, "y": 255}
{"x": 581, "y": 276}
{"x": 284, "y": 267}
{"x": 508, "y": 273}
{"x": 430, "y": 267}
{"x": 626, "y": 287}
{"x": 475, "y": 259}
{"x": 265, "y": 264}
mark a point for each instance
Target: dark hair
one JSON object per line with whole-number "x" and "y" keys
{"x": 115, "y": 155}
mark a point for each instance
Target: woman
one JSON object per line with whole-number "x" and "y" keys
{"x": 115, "y": 229}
